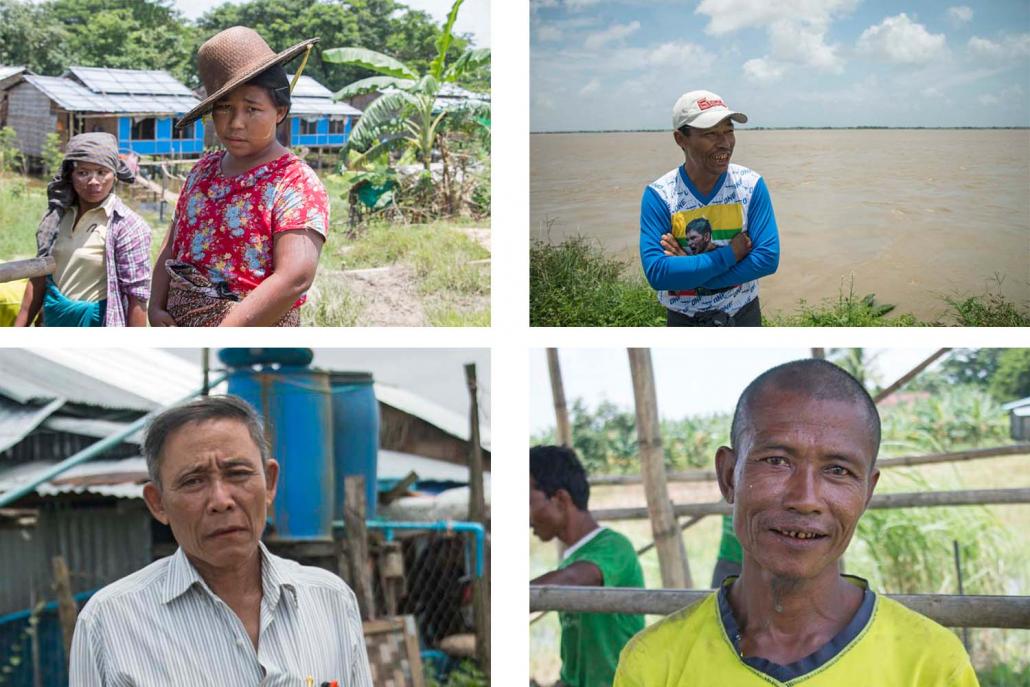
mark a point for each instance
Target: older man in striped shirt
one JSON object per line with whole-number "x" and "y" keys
{"x": 222, "y": 610}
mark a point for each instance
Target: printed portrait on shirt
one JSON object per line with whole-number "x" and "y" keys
{"x": 704, "y": 229}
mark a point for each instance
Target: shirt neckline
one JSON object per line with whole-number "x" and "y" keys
{"x": 817, "y": 659}
{"x": 249, "y": 172}
{"x": 582, "y": 542}
{"x": 705, "y": 199}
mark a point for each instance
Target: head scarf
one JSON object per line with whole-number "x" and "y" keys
{"x": 98, "y": 148}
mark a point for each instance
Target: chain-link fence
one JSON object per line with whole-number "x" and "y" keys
{"x": 430, "y": 574}
{"x": 32, "y": 647}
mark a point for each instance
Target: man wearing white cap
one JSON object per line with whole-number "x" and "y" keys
{"x": 716, "y": 287}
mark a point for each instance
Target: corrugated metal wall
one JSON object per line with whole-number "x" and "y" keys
{"x": 99, "y": 544}
{"x": 45, "y": 444}
{"x": 28, "y": 113}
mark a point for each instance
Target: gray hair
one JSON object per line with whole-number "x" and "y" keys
{"x": 202, "y": 409}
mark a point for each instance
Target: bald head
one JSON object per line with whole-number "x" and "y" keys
{"x": 815, "y": 379}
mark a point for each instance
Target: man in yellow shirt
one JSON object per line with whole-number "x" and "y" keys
{"x": 800, "y": 473}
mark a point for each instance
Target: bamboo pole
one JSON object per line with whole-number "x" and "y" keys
{"x": 970, "y": 497}
{"x": 67, "y": 612}
{"x": 561, "y": 411}
{"x": 819, "y": 353}
{"x": 907, "y": 377}
{"x": 899, "y": 461}
{"x": 477, "y": 513}
{"x": 672, "y": 556}
{"x": 27, "y": 269}
{"x": 949, "y": 610}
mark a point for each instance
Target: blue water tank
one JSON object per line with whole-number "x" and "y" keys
{"x": 295, "y": 403}
{"x": 355, "y": 434}
{"x": 245, "y": 357}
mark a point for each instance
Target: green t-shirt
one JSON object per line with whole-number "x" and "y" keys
{"x": 591, "y": 642}
{"x": 729, "y": 547}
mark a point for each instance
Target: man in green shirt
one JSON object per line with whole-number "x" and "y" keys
{"x": 596, "y": 556}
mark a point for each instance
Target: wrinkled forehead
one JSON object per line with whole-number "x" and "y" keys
{"x": 778, "y": 410}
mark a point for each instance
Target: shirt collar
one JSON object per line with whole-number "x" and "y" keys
{"x": 110, "y": 205}
{"x": 582, "y": 542}
{"x": 180, "y": 576}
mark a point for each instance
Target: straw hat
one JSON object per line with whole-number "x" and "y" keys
{"x": 233, "y": 57}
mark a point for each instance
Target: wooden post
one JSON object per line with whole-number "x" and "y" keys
{"x": 357, "y": 541}
{"x": 907, "y": 377}
{"x": 672, "y": 556}
{"x": 819, "y": 353}
{"x": 66, "y": 609}
{"x": 561, "y": 412}
{"x": 477, "y": 513}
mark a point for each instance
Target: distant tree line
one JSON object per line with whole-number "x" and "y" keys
{"x": 47, "y": 37}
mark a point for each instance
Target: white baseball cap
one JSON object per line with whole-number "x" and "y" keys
{"x": 702, "y": 110}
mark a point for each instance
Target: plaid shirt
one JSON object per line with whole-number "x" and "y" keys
{"x": 128, "y": 262}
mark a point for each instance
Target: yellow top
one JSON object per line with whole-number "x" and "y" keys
{"x": 895, "y": 647}
{"x": 80, "y": 252}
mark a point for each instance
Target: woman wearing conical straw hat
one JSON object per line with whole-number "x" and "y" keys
{"x": 244, "y": 243}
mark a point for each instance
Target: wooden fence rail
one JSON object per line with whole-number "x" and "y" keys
{"x": 900, "y": 461}
{"x": 949, "y": 610}
{"x": 26, "y": 269}
{"x": 970, "y": 497}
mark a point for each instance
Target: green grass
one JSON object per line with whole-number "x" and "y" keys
{"x": 22, "y": 202}
{"x": 330, "y": 304}
{"x": 574, "y": 284}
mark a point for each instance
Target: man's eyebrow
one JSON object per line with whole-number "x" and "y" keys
{"x": 234, "y": 463}
{"x": 191, "y": 470}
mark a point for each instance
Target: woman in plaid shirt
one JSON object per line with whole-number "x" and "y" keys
{"x": 101, "y": 248}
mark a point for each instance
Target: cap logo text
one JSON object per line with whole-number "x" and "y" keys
{"x": 705, "y": 103}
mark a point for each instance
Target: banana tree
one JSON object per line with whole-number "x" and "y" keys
{"x": 405, "y": 114}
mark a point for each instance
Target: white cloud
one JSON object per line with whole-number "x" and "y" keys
{"x": 960, "y": 15}
{"x": 1010, "y": 47}
{"x": 763, "y": 70}
{"x": 548, "y": 34}
{"x": 726, "y": 16}
{"x": 899, "y": 39}
{"x": 593, "y": 86}
{"x": 614, "y": 32}
{"x": 792, "y": 42}
{"x": 579, "y": 4}
{"x": 988, "y": 99}
{"x": 680, "y": 56}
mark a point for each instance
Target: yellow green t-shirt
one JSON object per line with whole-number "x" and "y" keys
{"x": 886, "y": 645}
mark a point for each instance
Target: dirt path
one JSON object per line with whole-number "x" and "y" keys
{"x": 387, "y": 296}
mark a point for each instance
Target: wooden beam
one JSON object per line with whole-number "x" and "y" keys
{"x": 477, "y": 513}
{"x": 899, "y": 461}
{"x": 357, "y": 544}
{"x": 67, "y": 611}
{"x": 27, "y": 269}
{"x": 672, "y": 555}
{"x": 907, "y": 377}
{"x": 946, "y": 609}
{"x": 561, "y": 411}
{"x": 970, "y": 497}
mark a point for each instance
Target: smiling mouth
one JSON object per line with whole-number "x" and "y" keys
{"x": 721, "y": 157}
{"x": 798, "y": 534}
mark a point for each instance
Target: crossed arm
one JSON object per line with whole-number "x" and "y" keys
{"x": 714, "y": 269}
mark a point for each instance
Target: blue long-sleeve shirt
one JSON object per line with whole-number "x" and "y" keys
{"x": 714, "y": 269}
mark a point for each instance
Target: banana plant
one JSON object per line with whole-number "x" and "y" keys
{"x": 404, "y": 113}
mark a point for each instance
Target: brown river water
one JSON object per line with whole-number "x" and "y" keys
{"x": 913, "y": 215}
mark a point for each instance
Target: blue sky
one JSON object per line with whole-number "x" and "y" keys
{"x": 621, "y": 64}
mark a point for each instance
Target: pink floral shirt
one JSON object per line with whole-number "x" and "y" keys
{"x": 225, "y": 226}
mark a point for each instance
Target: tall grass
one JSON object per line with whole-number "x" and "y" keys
{"x": 574, "y": 284}
{"x": 22, "y": 203}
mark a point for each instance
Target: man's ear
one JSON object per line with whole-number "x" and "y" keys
{"x": 874, "y": 477}
{"x": 725, "y": 464}
{"x": 152, "y": 496}
{"x": 271, "y": 480}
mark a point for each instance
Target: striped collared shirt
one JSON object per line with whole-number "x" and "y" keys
{"x": 163, "y": 626}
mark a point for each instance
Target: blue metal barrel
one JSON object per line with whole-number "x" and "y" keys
{"x": 245, "y": 357}
{"x": 355, "y": 434}
{"x": 297, "y": 410}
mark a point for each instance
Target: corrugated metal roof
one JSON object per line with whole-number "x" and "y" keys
{"x": 98, "y": 429}
{"x": 17, "y": 419}
{"x": 397, "y": 465}
{"x": 1017, "y": 404}
{"x": 124, "y": 479}
{"x": 129, "y": 81}
{"x": 9, "y": 74}
{"x": 319, "y": 106}
{"x": 307, "y": 87}
{"x": 27, "y": 377}
{"x": 455, "y": 424}
{"x": 74, "y": 97}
